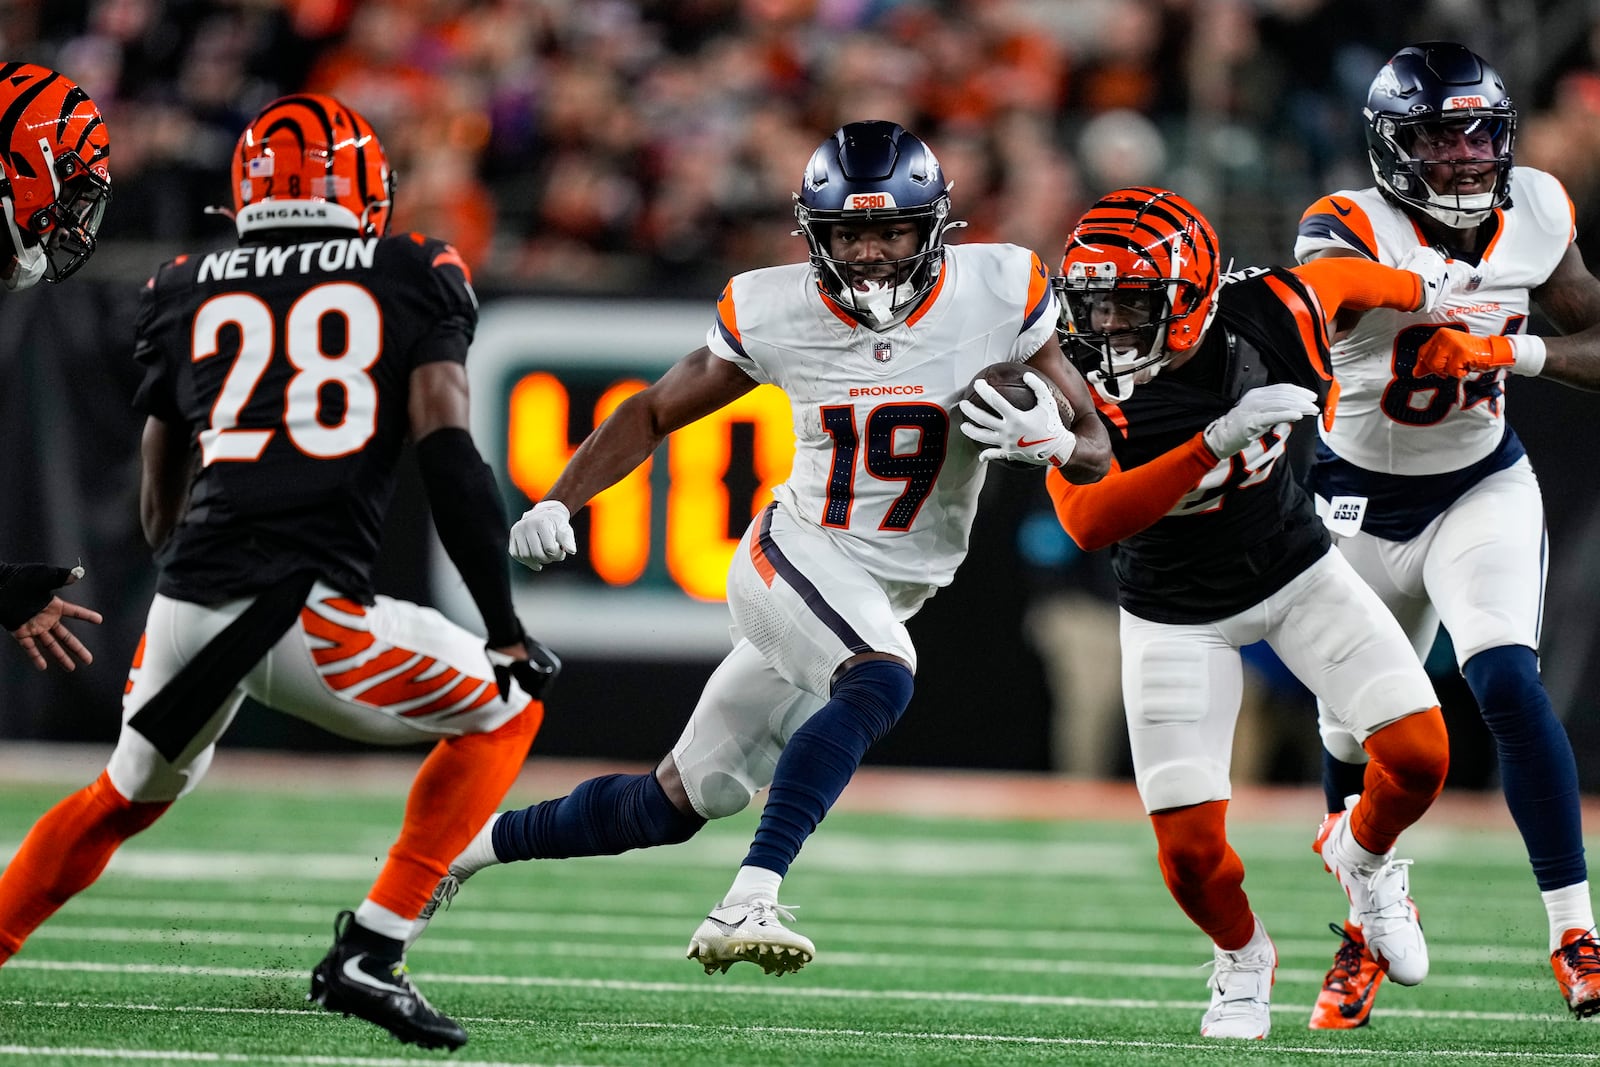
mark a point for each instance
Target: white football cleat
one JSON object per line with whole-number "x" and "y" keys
{"x": 1380, "y": 896}
{"x": 750, "y": 931}
{"x": 1241, "y": 990}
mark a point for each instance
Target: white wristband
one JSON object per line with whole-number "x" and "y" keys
{"x": 1528, "y": 351}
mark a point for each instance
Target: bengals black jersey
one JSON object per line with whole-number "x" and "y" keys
{"x": 1248, "y": 527}
{"x": 288, "y": 362}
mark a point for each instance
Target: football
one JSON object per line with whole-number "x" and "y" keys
{"x": 1006, "y": 378}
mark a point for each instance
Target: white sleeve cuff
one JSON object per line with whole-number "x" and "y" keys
{"x": 1528, "y": 351}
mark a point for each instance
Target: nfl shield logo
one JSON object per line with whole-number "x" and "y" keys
{"x": 882, "y": 352}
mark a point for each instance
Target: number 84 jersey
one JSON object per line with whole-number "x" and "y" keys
{"x": 288, "y": 364}
{"x": 880, "y": 462}
{"x": 1391, "y": 421}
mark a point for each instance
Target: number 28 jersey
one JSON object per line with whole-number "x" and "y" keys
{"x": 880, "y": 461}
{"x": 289, "y": 367}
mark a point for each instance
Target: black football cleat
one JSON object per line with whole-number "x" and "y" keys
{"x": 351, "y": 981}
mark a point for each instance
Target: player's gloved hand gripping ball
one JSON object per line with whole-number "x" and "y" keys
{"x": 1016, "y": 413}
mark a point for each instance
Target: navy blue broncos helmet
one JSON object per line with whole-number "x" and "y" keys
{"x": 873, "y": 172}
{"x": 1421, "y": 90}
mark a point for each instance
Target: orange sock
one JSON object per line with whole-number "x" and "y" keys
{"x": 64, "y": 853}
{"x": 459, "y": 786}
{"x": 1204, "y": 873}
{"x": 1410, "y": 758}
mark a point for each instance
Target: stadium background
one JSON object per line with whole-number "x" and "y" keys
{"x": 604, "y": 165}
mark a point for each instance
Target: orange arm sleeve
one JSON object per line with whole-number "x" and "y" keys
{"x": 1125, "y": 502}
{"x": 1360, "y": 284}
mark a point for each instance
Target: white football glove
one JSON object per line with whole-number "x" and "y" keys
{"x": 1037, "y": 436}
{"x": 1258, "y": 411}
{"x": 1440, "y": 276}
{"x": 543, "y": 535}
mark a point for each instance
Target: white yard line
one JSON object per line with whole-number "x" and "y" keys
{"x": 711, "y": 987}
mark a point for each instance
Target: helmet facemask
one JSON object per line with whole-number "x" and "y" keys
{"x": 872, "y": 175}
{"x": 1137, "y": 287}
{"x": 1404, "y": 149}
{"x": 1114, "y": 329}
{"x": 884, "y": 289}
{"x": 1439, "y": 107}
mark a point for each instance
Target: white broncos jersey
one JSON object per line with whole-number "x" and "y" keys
{"x": 1388, "y": 420}
{"x": 880, "y": 461}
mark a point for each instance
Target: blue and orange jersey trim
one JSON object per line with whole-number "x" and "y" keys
{"x": 1340, "y": 218}
{"x": 728, "y": 321}
{"x": 1038, "y": 294}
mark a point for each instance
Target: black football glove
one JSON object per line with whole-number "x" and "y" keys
{"x": 27, "y": 588}
{"x": 535, "y": 675}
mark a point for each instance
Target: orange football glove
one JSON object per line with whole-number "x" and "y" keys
{"x": 1456, "y": 353}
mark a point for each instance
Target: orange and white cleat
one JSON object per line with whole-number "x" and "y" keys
{"x": 1322, "y": 834}
{"x": 1350, "y": 986}
{"x": 1577, "y": 967}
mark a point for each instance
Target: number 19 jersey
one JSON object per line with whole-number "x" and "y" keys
{"x": 289, "y": 366}
{"x": 879, "y": 460}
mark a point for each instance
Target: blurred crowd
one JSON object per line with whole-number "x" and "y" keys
{"x": 652, "y": 145}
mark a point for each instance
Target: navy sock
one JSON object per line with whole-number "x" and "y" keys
{"x": 819, "y": 759}
{"x": 602, "y": 817}
{"x": 1340, "y": 779}
{"x": 1537, "y": 768}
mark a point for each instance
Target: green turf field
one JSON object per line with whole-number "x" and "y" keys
{"x": 939, "y": 942}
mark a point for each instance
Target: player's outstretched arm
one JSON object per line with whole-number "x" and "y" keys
{"x": 1354, "y": 284}
{"x": 692, "y": 388}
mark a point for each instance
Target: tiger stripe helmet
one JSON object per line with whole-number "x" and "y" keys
{"x": 55, "y": 175}
{"x": 1138, "y": 286}
{"x": 309, "y": 161}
